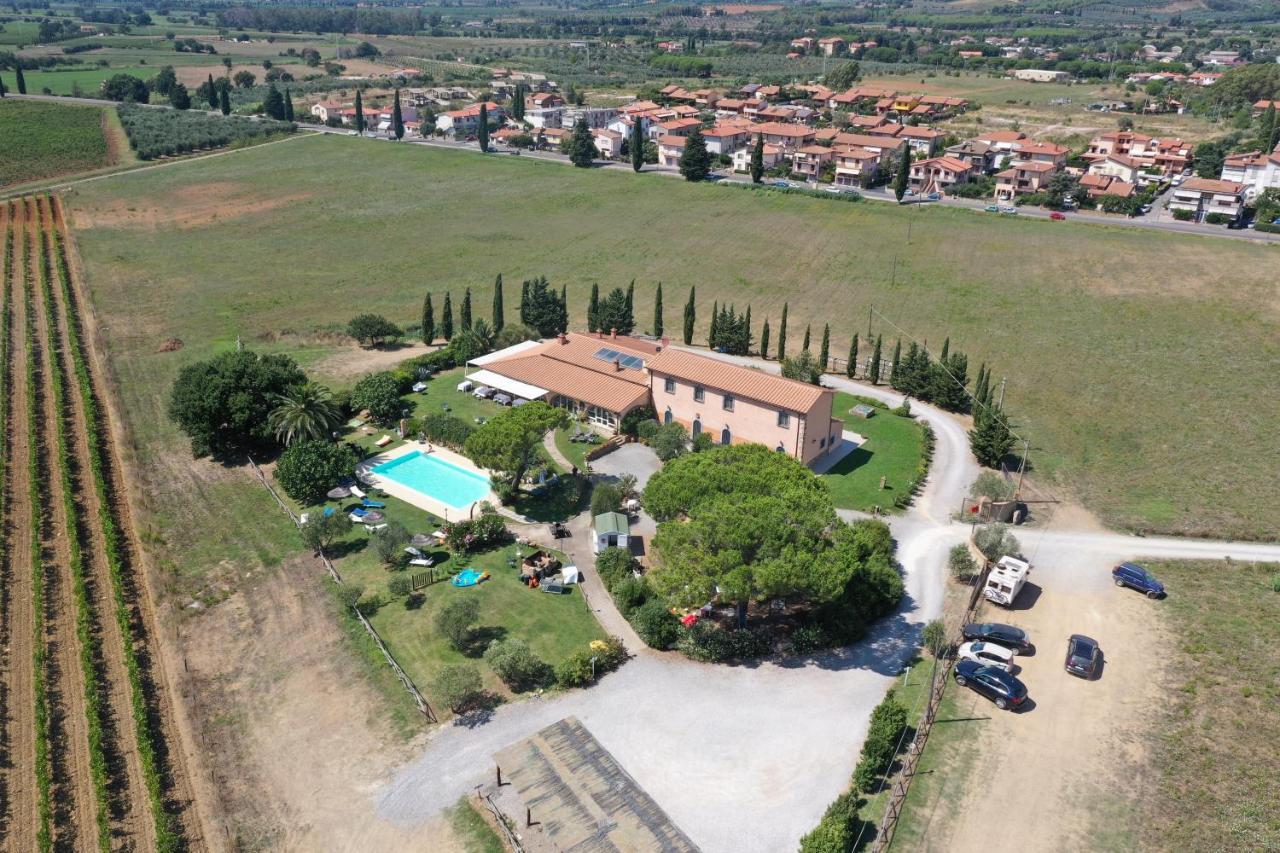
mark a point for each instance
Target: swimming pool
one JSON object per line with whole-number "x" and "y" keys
{"x": 435, "y": 478}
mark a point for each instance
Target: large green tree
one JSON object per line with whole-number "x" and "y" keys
{"x": 379, "y": 393}
{"x": 543, "y": 309}
{"x": 20, "y": 79}
{"x": 397, "y": 118}
{"x": 508, "y": 444}
{"x": 179, "y": 97}
{"x": 306, "y": 412}
{"x": 308, "y": 469}
{"x": 428, "y": 320}
{"x": 446, "y": 322}
{"x": 273, "y": 103}
{"x": 464, "y": 315}
{"x": 223, "y": 405}
{"x": 373, "y": 329}
{"x": 615, "y": 313}
{"x": 782, "y": 335}
{"x": 593, "y": 308}
{"x": 359, "y": 112}
{"x": 695, "y": 161}
{"x": 499, "y": 310}
{"x": 903, "y": 174}
{"x": 482, "y": 129}
{"x": 224, "y": 100}
{"x": 690, "y": 315}
{"x": 873, "y": 369}
{"x": 657, "y": 312}
{"x": 582, "y": 145}
{"x": 757, "y": 159}
{"x": 636, "y": 146}
{"x": 990, "y": 438}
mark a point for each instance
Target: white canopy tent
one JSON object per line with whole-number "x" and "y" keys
{"x": 508, "y": 352}
{"x": 510, "y": 386}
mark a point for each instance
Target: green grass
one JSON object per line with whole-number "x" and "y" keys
{"x": 471, "y": 829}
{"x": 40, "y": 140}
{"x": 574, "y": 451}
{"x": 442, "y": 390}
{"x": 892, "y": 451}
{"x": 1214, "y": 746}
{"x": 83, "y": 80}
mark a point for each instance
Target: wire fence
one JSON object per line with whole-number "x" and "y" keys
{"x": 418, "y": 699}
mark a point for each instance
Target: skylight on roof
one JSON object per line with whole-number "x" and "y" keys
{"x": 633, "y": 362}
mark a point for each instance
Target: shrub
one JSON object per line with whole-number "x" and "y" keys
{"x": 995, "y": 541}
{"x": 458, "y": 686}
{"x": 320, "y": 531}
{"x": 991, "y": 485}
{"x": 1275, "y": 582}
{"x": 349, "y": 594}
{"x": 309, "y": 469}
{"x": 711, "y": 644}
{"x": 961, "y": 563}
{"x": 1217, "y": 219}
{"x": 809, "y": 638}
{"x": 630, "y": 594}
{"x": 934, "y": 637}
{"x": 605, "y": 497}
{"x": 476, "y": 534}
{"x": 370, "y": 604}
{"x": 575, "y": 670}
{"x": 1183, "y": 215}
{"x": 903, "y": 410}
{"x": 446, "y": 429}
{"x": 614, "y": 565}
{"x": 702, "y": 442}
{"x": 646, "y": 430}
{"x": 631, "y": 420}
{"x": 455, "y": 619}
{"x": 888, "y": 723}
{"x": 380, "y": 394}
{"x": 516, "y": 664}
{"x": 389, "y": 542}
{"x": 655, "y": 625}
{"x": 373, "y": 329}
{"x": 838, "y": 829}
{"x": 399, "y": 586}
{"x": 670, "y": 441}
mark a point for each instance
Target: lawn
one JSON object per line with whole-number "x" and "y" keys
{"x": 41, "y": 140}
{"x": 82, "y": 80}
{"x": 575, "y": 451}
{"x": 1215, "y": 749}
{"x": 892, "y": 451}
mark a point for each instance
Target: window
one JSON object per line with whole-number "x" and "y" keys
{"x": 728, "y": 402}
{"x": 670, "y": 386}
{"x": 784, "y": 420}
{"x": 699, "y": 394}
{"x": 822, "y": 442}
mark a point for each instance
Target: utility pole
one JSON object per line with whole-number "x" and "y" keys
{"x": 1022, "y": 467}
{"x": 1000, "y": 404}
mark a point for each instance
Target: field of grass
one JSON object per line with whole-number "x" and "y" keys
{"x": 892, "y": 451}
{"x": 475, "y": 835}
{"x": 82, "y": 80}
{"x": 1215, "y": 749}
{"x": 1136, "y": 360}
{"x": 41, "y": 140}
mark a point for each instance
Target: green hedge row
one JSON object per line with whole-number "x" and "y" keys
{"x": 85, "y": 612}
{"x": 44, "y": 772}
{"x": 927, "y": 442}
{"x": 168, "y": 837}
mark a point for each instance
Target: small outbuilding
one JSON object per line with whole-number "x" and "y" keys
{"x": 611, "y": 530}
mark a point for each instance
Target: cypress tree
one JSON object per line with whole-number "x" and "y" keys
{"x": 990, "y": 438}
{"x": 981, "y": 386}
{"x": 631, "y": 303}
{"x": 657, "y": 308}
{"x": 582, "y": 145}
{"x": 428, "y": 321}
{"x": 211, "y": 92}
{"x": 904, "y": 173}
{"x": 851, "y": 368}
{"x": 637, "y": 144}
{"x": 757, "y": 159}
{"x": 482, "y": 129}
{"x": 805, "y": 347}
{"x": 524, "y": 303}
{"x": 690, "y": 317}
{"x": 397, "y": 118}
{"x": 465, "y": 314}
{"x": 782, "y": 334}
{"x": 224, "y": 100}
{"x": 764, "y": 339}
{"x": 499, "y": 311}
{"x": 825, "y": 352}
{"x": 873, "y": 370}
{"x": 593, "y": 308}
{"x": 22, "y": 82}
{"x": 288, "y": 106}
{"x": 3, "y": 90}
{"x": 894, "y": 372}
{"x": 946, "y": 349}
{"x": 446, "y": 323}
{"x": 1266, "y": 125}
{"x": 715, "y": 323}
{"x": 695, "y": 162}
{"x": 360, "y": 125}
{"x": 746, "y": 333}
{"x": 564, "y": 308}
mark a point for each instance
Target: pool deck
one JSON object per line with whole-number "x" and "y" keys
{"x": 414, "y": 497}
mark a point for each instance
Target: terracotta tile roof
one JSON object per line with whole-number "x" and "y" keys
{"x": 1208, "y": 185}
{"x": 743, "y": 382}
{"x": 773, "y": 128}
{"x": 950, "y": 164}
{"x": 920, "y": 132}
{"x": 817, "y": 150}
{"x": 1002, "y": 136}
{"x": 672, "y": 141}
{"x": 862, "y": 140}
{"x": 572, "y": 370}
{"x": 725, "y": 130}
{"x": 1049, "y": 148}
{"x": 1031, "y": 166}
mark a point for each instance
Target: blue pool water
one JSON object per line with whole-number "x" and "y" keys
{"x": 435, "y": 478}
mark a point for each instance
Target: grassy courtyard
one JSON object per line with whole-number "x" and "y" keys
{"x": 892, "y": 451}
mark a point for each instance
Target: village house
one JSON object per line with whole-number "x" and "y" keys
{"x": 1023, "y": 178}
{"x": 1261, "y": 106}
{"x": 938, "y": 174}
{"x": 771, "y": 155}
{"x": 810, "y": 160}
{"x": 543, "y": 100}
{"x": 608, "y": 142}
{"x": 832, "y": 46}
{"x": 675, "y": 127}
{"x": 594, "y": 116}
{"x": 1162, "y": 157}
{"x": 1042, "y": 152}
{"x": 856, "y": 167}
{"x": 788, "y": 136}
{"x": 1222, "y": 57}
{"x": 464, "y": 122}
{"x": 1040, "y": 75}
{"x": 1118, "y": 166}
{"x": 887, "y": 148}
{"x": 978, "y": 154}
{"x": 1204, "y": 196}
{"x": 326, "y": 111}
{"x": 1106, "y": 185}
{"x": 1256, "y": 171}
{"x": 726, "y": 138}
{"x": 923, "y": 140}
{"x": 803, "y": 43}
{"x": 670, "y": 150}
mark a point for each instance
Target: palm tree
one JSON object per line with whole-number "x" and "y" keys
{"x": 306, "y": 412}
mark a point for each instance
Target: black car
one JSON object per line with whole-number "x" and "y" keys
{"x": 1133, "y": 575}
{"x": 996, "y": 684}
{"x": 1083, "y": 655}
{"x": 1003, "y": 635}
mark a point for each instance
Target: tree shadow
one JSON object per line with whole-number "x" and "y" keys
{"x": 346, "y": 547}
{"x": 479, "y": 639}
{"x": 479, "y": 710}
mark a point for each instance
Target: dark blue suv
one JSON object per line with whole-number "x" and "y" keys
{"x": 996, "y": 684}
{"x": 1132, "y": 575}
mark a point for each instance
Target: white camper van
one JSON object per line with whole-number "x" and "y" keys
{"x": 1006, "y": 580}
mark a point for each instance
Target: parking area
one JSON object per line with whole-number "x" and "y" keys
{"x": 1063, "y": 772}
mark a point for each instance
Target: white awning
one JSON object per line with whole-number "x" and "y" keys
{"x": 499, "y": 355}
{"x": 510, "y": 386}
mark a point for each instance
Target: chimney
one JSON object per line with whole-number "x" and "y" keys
{"x": 600, "y": 334}
{"x": 666, "y": 342}
{"x": 563, "y": 338}
{"x": 613, "y": 333}
{"x": 617, "y": 364}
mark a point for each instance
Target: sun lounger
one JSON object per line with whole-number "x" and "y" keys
{"x": 426, "y": 562}
{"x": 372, "y": 527}
{"x": 356, "y": 517}
{"x": 372, "y": 504}
{"x": 419, "y": 387}
{"x": 358, "y": 511}
{"x": 384, "y": 441}
{"x": 409, "y": 549}
{"x": 355, "y": 490}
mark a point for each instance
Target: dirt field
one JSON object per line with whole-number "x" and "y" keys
{"x": 1068, "y": 772}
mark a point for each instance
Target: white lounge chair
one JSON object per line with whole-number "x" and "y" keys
{"x": 372, "y": 527}
{"x": 422, "y": 561}
{"x": 355, "y": 490}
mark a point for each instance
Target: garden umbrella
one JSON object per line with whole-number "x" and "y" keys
{"x": 339, "y": 492}
{"x": 372, "y": 516}
{"x": 422, "y": 540}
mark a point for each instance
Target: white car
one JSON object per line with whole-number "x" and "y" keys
{"x": 987, "y": 654}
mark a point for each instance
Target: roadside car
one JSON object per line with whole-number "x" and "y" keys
{"x": 987, "y": 654}
{"x": 1083, "y": 655}
{"x": 782, "y": 184}
{"x": 1145, "y": 209}
{"x": 834, "y": 190}
{"x": 1014, "y": 639}
{"x": 1057, "y": 216}
{"x": 1009, "y": 209}
{"x": 1134, "y": 576}
{"x": 934, "y": 196}
{"x": 992, "y": 208}
{"x": 996, "y": 684}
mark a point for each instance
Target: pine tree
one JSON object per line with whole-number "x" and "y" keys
{"x": 690, "y": 317}
{"x": 464, "y": 316}
{"x": 657, "y": 311}
{"x": 582, "y": 146}
{"x": 499, "y": 311}
{"x": 482, "y": 129}
{"x": 745, "y": 345}
{"x": 713, "y": 332}
{"x": 360, "y": 120}
{"x": 946, "y": 349}
{"x": 980, "y": 387}
{"x": 593, "y": 309}
{"x": 757, "y": 159}
{"x": 637, "y": 144}
{"x": 805, "y": 346}
{"x": 782, "y": 334}
{"x": 446, "y": 323}
{"x": 180, "y": 98}
{"x": 211, "y": 92}
{"x": 851, "y": 368}
{"x": 904, "y": 173}
{"x": 224, "y": 100}
{"x": 764, "y": 339}
{"x": 397, "y": 118}
{"x": 873, "y": 370}
{"x": 695, "y": 162}
{"x": 631, "y": 305}
{"x": 22, "y": 81}
{"x": 894, "y": 365}
{"x": 288, "y": 106}
{"x": 428, "y": 321}
{"x": 990, "y": 438}
{"x": 1266, "y": 127}
{"x": 825, "y": 352}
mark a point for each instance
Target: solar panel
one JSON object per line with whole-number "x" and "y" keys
{"x": 631, "y": 361}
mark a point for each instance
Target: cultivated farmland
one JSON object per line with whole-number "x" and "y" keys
{"x": 93, "y": 756}
{"x": 1118, "y": 345}
{"x": 164, "y": 133}
{"x": 42, "y": 140}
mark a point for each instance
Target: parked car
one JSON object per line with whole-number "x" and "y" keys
{"x": 782, "y": 184}
{"x": 1145, "y": 209}
{"x": 1057, "y": 216}
{"x": 992, "y": 208}
{"x": 836, "y": 190}
{"x": 987, "y": 654}
{"x": 1083, "y": 655}
{"x": 1009, "y": 209}
{"x": 934, "y": 196}
{"x": 502, "y": 399}
{"x": 1014, "y": 639}
{"x": 1133, "y": 575}
{"x": 996, "y": 684}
